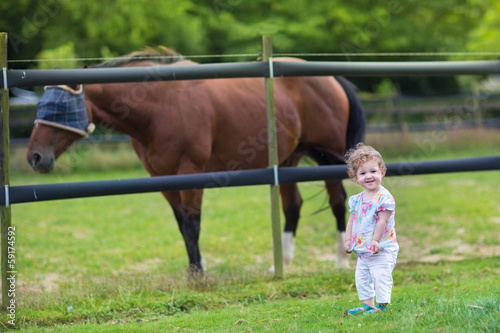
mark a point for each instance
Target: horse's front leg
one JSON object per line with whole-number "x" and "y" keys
{"x": 187, "y": 211}
{"x": 190, "y": 226}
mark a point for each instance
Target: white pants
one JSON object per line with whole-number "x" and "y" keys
{"x": 374, "y": 276}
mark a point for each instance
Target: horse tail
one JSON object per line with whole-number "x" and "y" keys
{"x": 356, "y": 125}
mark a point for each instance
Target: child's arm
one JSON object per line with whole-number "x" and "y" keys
{"x": 348, "y": 234}
{"x": 383, "y": 217}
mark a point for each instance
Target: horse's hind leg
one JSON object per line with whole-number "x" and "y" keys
{"x": 337, "y": 196}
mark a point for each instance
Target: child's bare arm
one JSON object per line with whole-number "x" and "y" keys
{"x": 348, "y": 234}
{"x": 383, "y": 217}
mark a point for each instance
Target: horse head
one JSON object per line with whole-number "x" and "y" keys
{"x": 61, "y": 120}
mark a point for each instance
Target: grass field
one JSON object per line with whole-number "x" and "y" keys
{"x": 118, "y": 264}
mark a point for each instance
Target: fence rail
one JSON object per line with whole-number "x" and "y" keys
{"x": 462, "y": 111}
{"x": 28, "y": 78}
{"x": 46, "y": 192}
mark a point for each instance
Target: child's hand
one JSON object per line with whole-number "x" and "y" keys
{"x": 347, "y": 246}
{"x": 375, "y": 246}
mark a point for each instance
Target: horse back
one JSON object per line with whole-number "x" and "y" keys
{"x": 221, "y": 124}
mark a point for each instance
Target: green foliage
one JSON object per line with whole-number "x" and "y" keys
{"x": 60, "y": 57}
{"x": 235, "y": 26}
{"x": 484, "y": 36}
{"x": 386, "y": 88}
{"x": 225, "y": 27}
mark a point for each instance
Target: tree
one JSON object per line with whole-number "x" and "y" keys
{"x": 217, "y": 27}
{"x": 484, "y": 37}
{"x": 23, "y": 21}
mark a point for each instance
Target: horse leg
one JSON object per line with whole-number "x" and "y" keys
{"x": 187, "y": 212}
{"x": 337, "y": 199}
{"x": 292, "y": 202}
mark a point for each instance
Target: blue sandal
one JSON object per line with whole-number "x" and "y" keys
{"x": 378, "y": 308}
{"x": 364, "y": 308}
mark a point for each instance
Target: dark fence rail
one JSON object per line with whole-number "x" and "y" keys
{"x": 430, "y": 113}
{"x": 28, "y": 78}
{"x": 45, "y": 192}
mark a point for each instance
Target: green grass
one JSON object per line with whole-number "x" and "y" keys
{"x": 428, "y": 297}
{"x": 118, "y": 263}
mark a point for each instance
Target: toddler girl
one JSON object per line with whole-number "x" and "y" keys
{"x": 370, "y": 230}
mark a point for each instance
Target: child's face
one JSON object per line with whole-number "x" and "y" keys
{"x": 369, "y": 176}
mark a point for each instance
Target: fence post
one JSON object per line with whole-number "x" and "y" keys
{"x": 273, "y": 157}
{"x": 478, "y": 108}
{"x": 5, "y": 211}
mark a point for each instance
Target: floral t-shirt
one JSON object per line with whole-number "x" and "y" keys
{"x": 365, "y": 219}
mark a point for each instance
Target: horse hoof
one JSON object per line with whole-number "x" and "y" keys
{"x": 272, "y": 269}
{"x": 195, "y": 272}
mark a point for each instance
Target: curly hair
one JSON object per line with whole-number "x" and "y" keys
{"x": 359, "y": 155}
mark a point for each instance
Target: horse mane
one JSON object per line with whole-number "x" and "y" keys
{"x": 161, "y": 55}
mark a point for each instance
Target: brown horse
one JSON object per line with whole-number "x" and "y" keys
{"x": 185, "y": 127}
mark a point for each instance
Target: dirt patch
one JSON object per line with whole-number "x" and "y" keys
{"x": 48, "y": 282}
{"x": 145, "y": 266}
{"x": 454, "y": 250}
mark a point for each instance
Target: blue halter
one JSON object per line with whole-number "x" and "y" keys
{"x": 63, "y": 107}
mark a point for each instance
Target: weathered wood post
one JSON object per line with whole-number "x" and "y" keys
{"x": 7, "y": 231}
{"x": 273, "y": 157}
{"x": 477, "y": 108}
